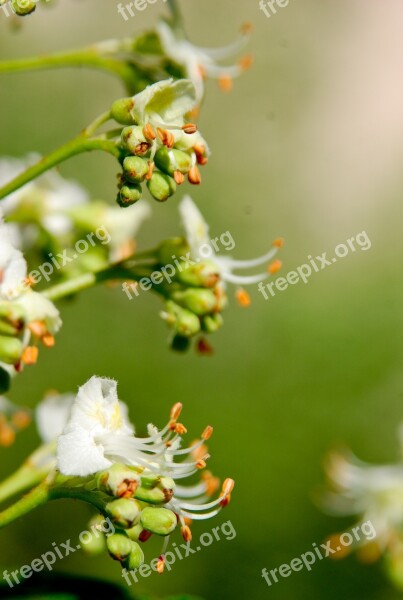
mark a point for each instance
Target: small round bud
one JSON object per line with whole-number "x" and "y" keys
{"x": 129, "y": 194}
{"x": 11, "y": 349}
{"x": 121, "y": 111}
{"x": 119, "y": 480}
{"x": 160, "y": 521}
{"x": 185, "y": 322}
{"x": 23, "y": 7}
{"x": 133, "y": 140}
{"x": 135, "y": 169}
{"x": 203, "y": 274}
{"x": 135, "y": 558}
{"x": 212, "y": 323}
{"x": 160, "y": 493}
{"x": 119, "y": 546}
{"x": 181, "y": 161}
{"x": 161, "y": 186}
{"x": 125, "y": 512}
{"x": 200, "y": 301}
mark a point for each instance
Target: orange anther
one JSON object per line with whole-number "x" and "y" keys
{"x": 180, "y": 429}
{"x": 30, "y": 355}
{"x": 176, "y": 410}
{"x": 246, "y": 62}
{"x": 225, "y": 82}
{"x": 186, "y": 533}
{"x": 179, "y": 177}
{"x": 161, "y": 565}
{"x": 243, "y": 298}
{"x": 194, "y": 176}
{"x": 189, "y": 128}
{"x": 247, "y": 28}
{"x": 149, "y": 132}
{"x": 48, "y": 340}
{"x": 201, "y": 464}
{"x": 151, "y": 167}
{"x": 38, "y": 328}
{"x": 7, "y": 436}
{"x": 228, "y": 486}
{"x": 207, "y": 433}
{"x": 142, "y": 148}
{"x": 278, "y": 243}
{"x": 274, "y": 267}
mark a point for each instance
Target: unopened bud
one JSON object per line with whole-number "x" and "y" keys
{"x": 173, "y": 160}
{"x": 11, "y": 349}
{"x": 132, "y": 137}
{"x": 212, "y": 323}
{"x": 125, "y": 512}
{"x": 119, "y": 480}
{"x": 200, "y": 301}
{"x": 129, "y": 194}
{"x": 203, "y": 274}
{"x": 121, "y": 111}
{"x": 171, "y": 248}
{"x": 135, "y": 558}
{"x": 160, "y": 521}
{"x": 119, "y": 546}
{"x": 161, "y": 186}
{"x": 180, "y": 343}
{"x": 135, "y": 169}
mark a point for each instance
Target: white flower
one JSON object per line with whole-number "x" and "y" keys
{"x": 375, "y": 493}
{"x": 197, "y": 236}
{"x": 52, "y": 415}
{"x": 202, "y": 62}
{"x": 50, "y": 196}
{"x": 13, "y": 268}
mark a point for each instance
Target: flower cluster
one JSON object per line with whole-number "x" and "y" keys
{"x": 159, "y": 147}
{"x": 139, "y": 479}
{"x": 26, "y": 317}
{"x": 373, "y": 493}
{"x": 197, "y": 296}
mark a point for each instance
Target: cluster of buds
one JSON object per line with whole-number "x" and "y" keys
{"x": 12, "y": 419}
{"x": 139, "y": 479}
{"x": 194, "y": 299}
{"x": 159, "y": 148}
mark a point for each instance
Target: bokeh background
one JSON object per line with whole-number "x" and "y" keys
{"x": 308, "y": 146}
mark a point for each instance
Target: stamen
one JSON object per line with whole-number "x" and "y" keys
{"x": 189, "y": 128}
{"x": 274, "y": 267}
{"x": 246, "y": 62}
{"x": 176, "y": 411}
{"x": 226, "y": 83}
{"x": 151, "y": 167}
{"x": 179, "y": 177}
{"x": 243, "y": 298}
{"x": 186, "y": 533}
{"x": 194, "y": 176}
{"x": 30, "y": 355}
{"x": 149, "y": 132}
{"x": 38, "y": 328}
{"x": 161, "y": 565}
{"x": 48, "y": 340}
{"x": 207, "y": 433}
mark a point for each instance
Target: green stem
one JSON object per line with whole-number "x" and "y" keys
{"x": 44, "y": 493}
{"x": 77, "y": 146}
{"x": 87, "y": 57}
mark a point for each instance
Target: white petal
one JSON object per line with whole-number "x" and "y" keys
{"x": 52, "y": 415}
{"x": 13, "y": 268}
{"x": 39, "y": 308}
{"x": 196, "y": 228}
{"x": 167, "y": 101}
{"x": 78, "y": 454}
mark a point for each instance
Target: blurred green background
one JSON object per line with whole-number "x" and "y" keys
{"x": 308, "y": 146}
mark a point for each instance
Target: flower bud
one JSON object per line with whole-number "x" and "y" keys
{"x": 180, "y": 343}
{"x": 160, "y": 521}
{"x": 133, "y": 140}
{"x": 203, "y": 274}
{"x": 173, "y": 160}
{"x": 134, "y": 532}
{"x": 161, "y": 493}
{"x": 125, "y": 512}
{"x": 212, "y": 323}
{"x": 23, "y": 7}
{"x": 119, "y": 480}
{"x": 11, "y": 349}
{"x": 161, "y": 186}
{"x": 185, "y": 322}
{"x": 119, "y": 546}
{"x": 170, "y": 248}
{"x": 5, "y": 381}
{"x": 121, "y": 111}
{"x": 135, "y": 558}
{"x": 129, "y": 194}
{"x": 199, "y": 300}
{"x": 135, "y": 169}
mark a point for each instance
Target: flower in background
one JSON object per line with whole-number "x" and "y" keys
{"x": 26, "y": 317}
{"x": 13, "y": 418}
{"x": 200, "y": 63}
{"x": 373, "y": 493}
{"x": 143, "y": 475}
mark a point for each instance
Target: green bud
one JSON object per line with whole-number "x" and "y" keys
{"x": 163, "y": 159}
{"x": 161, "y": 493}
{"x": 119, "y": 480}
{"x": 5, "y": 381}
{"x": 132, "y": 138}
{"x": 161, "y": 186}
{"x": 180, "y": 343}
{"x": 136, "y": 557}
{"x": 129, "y": 194}
{"x": 121, "y": 111}
{"x": 170, "y": 248}
{"x": 186, "y": 323}
{"x": 23, "y": 7}
{"x": 212, "y": 323}
{"x": 119, "y": 546}
{"x": 199, "y": 300}
{"x": 160, "y": 521}
{"x": 134, "y": 532}
{"x": 203, "y": 274}
{"x": 12, "y": 312}
{"x": 125, "y": 512}
{"x": 11, "y": 349}
{"x": 135, "y": 168}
